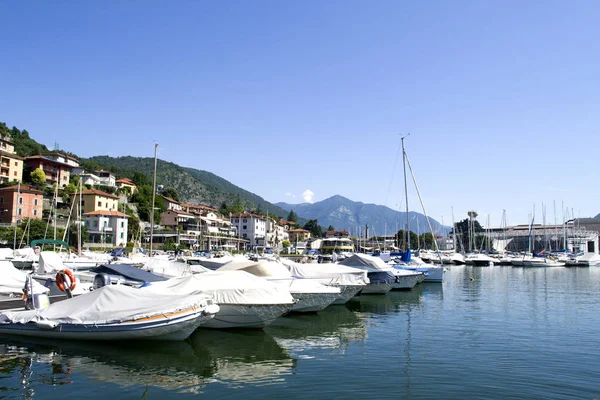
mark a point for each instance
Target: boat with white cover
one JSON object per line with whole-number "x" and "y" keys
{"x": 115, "y": 312}
{"x": 381, "y": 275}
{"x": 349, "y": 280}
{"x": 310, "y": 295}
{"x": 245, "y": 300}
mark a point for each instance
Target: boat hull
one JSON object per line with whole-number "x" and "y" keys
{"x": 312, "y": 302}
{"x": 175, "y": 326}
{"x": 346, "y": 293}
{"x": 377, "y": 288}
{"x": 247, "y": 316}
{"x": 406, "y": 282}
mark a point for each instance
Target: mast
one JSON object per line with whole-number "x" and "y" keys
{"x": 407, "y": 236}
{"x": 79, "y": 218}
{"x": 17, "y": 214}
{"x": 153, "y": 197}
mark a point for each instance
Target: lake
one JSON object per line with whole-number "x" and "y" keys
{"x": 485, "y": 333}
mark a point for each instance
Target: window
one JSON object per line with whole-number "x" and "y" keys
{"x": 15, "y": 173}
{"x": 35, "y": 202}
{"x": 2, "y": 200}
{"x": 99, "y": 204}
{"x": 20, "y": 211}
{"x": 34, "y": 213}
{"x": 121, "y": 235}
{"x": 16, "y": 164}
{"x": 244, "y": 220}
{"x": 106, "y": 224}
{"x": 122, "y": 224}
{"x": 82, "y": 203}
{"x": 244, "y": 227}
{"x": 21, "y": 200}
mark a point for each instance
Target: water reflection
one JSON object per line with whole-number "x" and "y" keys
{"x": 333, "y": 328}
{"x": 393, "y": 302}
{"x": 207, "y": 357}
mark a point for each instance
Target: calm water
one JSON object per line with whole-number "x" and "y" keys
{"x": 509, "y": 333}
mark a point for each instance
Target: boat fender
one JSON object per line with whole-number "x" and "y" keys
{"x": 61, "y": 281}
{"x": 45, "y": 324}
{"x": 211, "y": 309}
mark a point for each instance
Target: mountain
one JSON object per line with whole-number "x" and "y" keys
{"x": 343, "y": 213}
{"x": 194, "y": 186}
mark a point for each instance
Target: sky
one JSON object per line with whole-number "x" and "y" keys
{"x": 302, "y": 100}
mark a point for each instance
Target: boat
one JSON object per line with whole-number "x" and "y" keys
{"x": 309, "y": 295}
{"x": 381, "y": 275}
{"x": 350, "y": 281}
{"x": 479, "y": 260}
{"x": 115, "y": 312}
{"x": 245, "y": 300}
{"x": 13, "y": 286}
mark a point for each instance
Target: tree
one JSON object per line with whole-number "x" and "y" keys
{"x": 237, "y": 206}
{"x": 38, "y": 177}
{"x": 331, "y": 228}
{"x": 141, "y": 179}
{"x": 292, "y": 216}
{"x": 286, "y": 243}
{"x": 401, "y": 237}
{"x": 314, "y": 228}
{"x": 172, "y": 193}
{"x": 466, "y": 234}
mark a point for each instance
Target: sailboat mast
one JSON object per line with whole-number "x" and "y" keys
{"x": 79, "y": 220}
{"x": 407, "y": 247}
{"x": 153, "y": 197}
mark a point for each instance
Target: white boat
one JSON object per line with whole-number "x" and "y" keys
{"x": 479, "y": 260}
{"x": 310, "y": 295}
{"x": 380, "y": 274}
{"x": 246, "y": 301}
{"x": 405, "y": 279}
{"x": 542, "y": 262}
{"x": 116, "y": 312}
{"x": 350, "y": 281}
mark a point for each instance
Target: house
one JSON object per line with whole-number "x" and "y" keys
{"x": 96, "y": 200}
{"x": 173, "y": 219}
{"x": 107, "y": 227}
{"x": 339, "y": 234}
{"x": 57, "y": 166}
{"x": 20, "y": 201}
{"x": 127, "y": 184}
{"x": 95, "y": 178}
{"x": 299, "y": 235}
{"x": 171, "y": 204}
{"x": 11, "y": 165}
{"x": 252, "y": 227}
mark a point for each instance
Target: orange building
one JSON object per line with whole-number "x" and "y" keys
{"x": 20, "y": 202}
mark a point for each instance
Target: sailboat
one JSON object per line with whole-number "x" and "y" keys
{"x": 433, "y": 273}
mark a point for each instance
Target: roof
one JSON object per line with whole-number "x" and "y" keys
{"x": 170, "y": 200}
{"x": 179, "y": 213}
{"x": 56, "y": 153}
{"x": 97, "y": 192}
{"x": 11, "y": 155}
{"x": 48, "y": 160}
{"x": 107, "y": 213}
{"x": 284, "y": 222}
{"x": 298, "y": 231}
{"x": 126, "y": 181}
{"x": 23, "y": 189}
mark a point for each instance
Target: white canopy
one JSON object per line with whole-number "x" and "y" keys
{"x": 108, "y": 304}
{"x": 260, "y": 268}
{"x": 366, "y": 262}
{"x": 13, "y": 280}
{"x": 5, "y": 253}
{"x": 334, "y": 274}
{"x": 50, "y": 261}
{"x": 226, "y": 287}
{"x": 171, "y": 268}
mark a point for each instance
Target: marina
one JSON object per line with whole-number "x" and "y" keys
{"x": 489, "y": 333}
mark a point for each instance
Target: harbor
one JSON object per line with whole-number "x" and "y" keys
{"x": 488, "y": 333}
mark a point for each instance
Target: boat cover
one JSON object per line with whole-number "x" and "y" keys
{"x": 109, "y": 304}
{"x": 129, "y": 272}
{"x": 260, "y": 268}
{"x": 335, "y": 273}
{"x": 300, "y": 285}
{"x": 13, "y": 280}
{"x": 172, "y": 268}
{"x": 50, "y": 261}
{"x": 5, "y": 253}
{"x": 381, "y": 277}
{"x": 226, "y": 287}
{"x": 366, "y": 262}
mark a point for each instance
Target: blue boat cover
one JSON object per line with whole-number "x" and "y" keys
{"x": 381, "y": 277}
{"x": 129, "y": 272}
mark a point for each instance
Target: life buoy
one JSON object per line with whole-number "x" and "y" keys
{"x": 61, "y": 281}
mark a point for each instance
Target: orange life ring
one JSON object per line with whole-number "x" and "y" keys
{"x": 61, "y": 281}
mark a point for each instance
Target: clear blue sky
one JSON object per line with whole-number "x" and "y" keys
{"x": 502, "y": 99}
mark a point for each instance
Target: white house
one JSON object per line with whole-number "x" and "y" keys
{"x": 107, "y": 227}
{"x": 251, "y": 227}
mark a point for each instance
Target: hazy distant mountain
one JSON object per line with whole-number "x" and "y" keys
{"x": 343, "y": 213}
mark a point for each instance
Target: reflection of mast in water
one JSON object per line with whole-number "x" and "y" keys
{"x": 407, "y": 350}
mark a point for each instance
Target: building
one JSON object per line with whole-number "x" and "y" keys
{"x": 95, "y": 178}
{"x": 252, "y": 227}
{"x": 57, "y": 166}
{"x": 127, "y": 184}
{"x": 173, "y": 219}
{"x": 108, "y": 227}
{"x": 18, "y": 202}
{"x": 96, "y": 200}
{"x": 298, "y": 235}
{"x": 171, "y": 204}
{"x": 339, "y": 234}
{"x": 11, "y": 165}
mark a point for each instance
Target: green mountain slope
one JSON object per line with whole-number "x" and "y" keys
{"x": 194, "y": 186}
